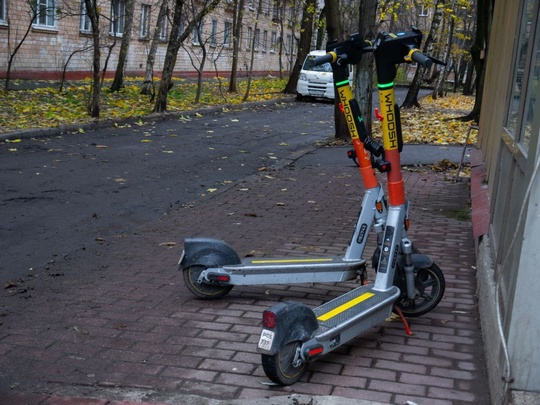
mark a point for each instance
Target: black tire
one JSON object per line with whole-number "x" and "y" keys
{"x": 430, "y": 283}
{"x": 299, "y": 97}
{"x": 203, "y": 290}
{"x": 279, "y": 367}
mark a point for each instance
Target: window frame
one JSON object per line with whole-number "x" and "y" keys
{"x": 249, "y": 36}
{"x": 164, "y": 30}
{"x": 525, "y": 71}
{"x": 118, "y": 18}
{"x": 3, "y": 12}
{"x": 264, "y": 47}
{"x": 85, "y": 24}
{"x": 273, "y": 42}
{"x": 197, "y": 33}
{"x": 214, "y": 32}
{"x": 257, "y": 39}
{"x": 45, "y": 9}
{"x": 227, "y": 34}
{"x": 144, "y": 28}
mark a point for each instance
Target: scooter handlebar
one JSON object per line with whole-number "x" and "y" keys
{"x": 328, "y": 58}
{"x": 421, "y": 59}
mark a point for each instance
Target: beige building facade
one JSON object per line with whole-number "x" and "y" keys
{"x": 507, "y": 245}
{"x": 56, "y": 35}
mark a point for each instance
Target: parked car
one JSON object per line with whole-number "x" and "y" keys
{"x": 316, "y": 81}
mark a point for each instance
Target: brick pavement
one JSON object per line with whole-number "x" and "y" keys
{"x": 115, "y": 322}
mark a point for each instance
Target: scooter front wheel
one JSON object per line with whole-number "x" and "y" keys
{"x": 203, "y": 290}
{"x": 430, "y": 284}
{"x": 282, "y": 368}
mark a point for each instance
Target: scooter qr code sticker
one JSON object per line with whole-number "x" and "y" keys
{"x": 267, "y": 337}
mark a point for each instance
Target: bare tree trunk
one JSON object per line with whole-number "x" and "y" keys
{"x": 468, "y": 87}
{"x": 333, "y": 28}
{"x": 321, "y": 24}
{"x": 175, "y": 41}
{"x": 479, "y": 54}
{"x": 364, "y": 70}
{"x": 148, "y": 83}
{"x": 248, "y": 88}
{"x": 64, "y": 69}
{"x": 17, "y": 47}
{"x": 438, "y": 89}
{"x": 237, "y": 29}
{"x": 173, "y": 46}
{"x": 411, "y": 100}
{"x": 281, "y": 33}
{"x": 93, "y": 15}
{"x": 118, "y": 81}
{"x": 306, "y": 33}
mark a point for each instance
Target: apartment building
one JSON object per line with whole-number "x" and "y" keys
{"x": 56, "y": 35}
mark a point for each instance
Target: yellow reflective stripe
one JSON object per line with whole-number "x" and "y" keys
{"x": 271, "y": 261}
{"x": 344, "y": 307}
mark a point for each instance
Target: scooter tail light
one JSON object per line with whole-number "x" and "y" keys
{"x": 314, "y": 351}
{"x": 269, "y": 319}
{"x": 224, "y": 278}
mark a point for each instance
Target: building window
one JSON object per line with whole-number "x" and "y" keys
{"x": 257, "y": 39}
{"x": 251, "y": 5}
{"x": 85, "y": 23}
{"x": 265, "y": 41}
{"x": 197, "y": 33}
{"x": 144, "y": 31}
{"x": 275, "y": 13}
{"x": 521, "y": 109}
{"x": 273, "y": 41}
{"x": 288, "y": 44}
{"x": 45, "y": 13}
{"x": 249, "y": 35}
{"x": 118, "y": 17}
{"x": 213, "y": 33}
{"x": 164, "y": 28}
{"x": 266, "y": 7}
{"x": 227, "y": 34}
{"x": 3, "y": 12}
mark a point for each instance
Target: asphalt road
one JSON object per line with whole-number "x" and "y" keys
{"x": 69, "y": 192}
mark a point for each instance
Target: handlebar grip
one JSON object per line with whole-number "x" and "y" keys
{"x": 422, "y": 59}
{"x": 328, "y": 58}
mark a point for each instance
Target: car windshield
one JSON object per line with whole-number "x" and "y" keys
{"x": 309, "y": 65}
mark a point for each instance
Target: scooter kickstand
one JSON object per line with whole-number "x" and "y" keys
{"x": 403, "y": 319}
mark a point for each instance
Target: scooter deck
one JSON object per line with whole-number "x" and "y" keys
{"x": 353, "y": 306}
{"x": 287, "y": 264}
{"x": 293, "y": 270}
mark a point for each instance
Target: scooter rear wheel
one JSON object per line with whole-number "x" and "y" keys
{"x": 430, "y": 283}
{"x": 280, "y": 368}
{"x": 203, "y": 290}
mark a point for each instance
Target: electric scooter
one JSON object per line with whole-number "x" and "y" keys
{"x": 406, "y": 282}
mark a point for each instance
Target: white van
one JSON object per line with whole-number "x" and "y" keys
{"x": 316, "y": 81}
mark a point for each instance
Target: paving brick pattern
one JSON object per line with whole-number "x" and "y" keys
{"x": 117, "y": 314}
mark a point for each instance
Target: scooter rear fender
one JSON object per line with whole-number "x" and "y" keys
{"x": 207, "y": 252}
{"x": 294, "y": 322}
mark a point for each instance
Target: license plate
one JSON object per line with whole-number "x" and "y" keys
{"x": 267, "y": 337}
{"x": 316, "y": 93}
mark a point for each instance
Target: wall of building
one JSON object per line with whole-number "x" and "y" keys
{"x": 44, "y": 52}
{"x": 508, "y": 279}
